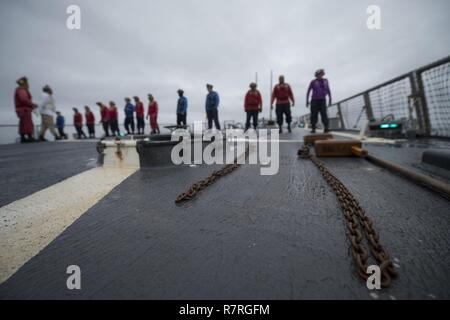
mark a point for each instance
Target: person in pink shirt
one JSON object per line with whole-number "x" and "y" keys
{"x": 153, "y": 114}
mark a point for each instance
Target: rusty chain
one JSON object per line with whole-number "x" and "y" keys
{"x": 213, "y": 177}
{"x": 202, "y": 184}
{"x": 357, "y": 224}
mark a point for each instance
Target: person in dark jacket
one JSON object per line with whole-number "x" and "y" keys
{"x": 60, "y": 123}
{"x": 182, "y": 106}
{"x": 320, "y": 89}
{"x": 252, "y": 106}
{"x": 129, "y": 116}
{"x": 211, "y": 106}
{"x": 78, "y": 123}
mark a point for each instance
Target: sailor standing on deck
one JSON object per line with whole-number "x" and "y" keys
{"x": 282, "y": 93}
{"x": 104, "y": 114}
{"x": 252, "y": 106}
{"x": 24, "y": 108}
{"x": 47, "y": 110}
{"x": 113, "y": 119}
{"x": 90, "y": 121}
{"x": 182, "y": 106}
{"x": 153, "y": 114}
{"x": 320, "y": 90}
{"x": 140, "y": 114}
{"x": 129, "y": 116}
{"x": 60, "y": 122}
{"x": 211, "y": 106}
{"x": 78, "y": 124}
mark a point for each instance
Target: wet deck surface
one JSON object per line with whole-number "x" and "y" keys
{"x": 246, "y": 237}
{"x": 28, "y": 168}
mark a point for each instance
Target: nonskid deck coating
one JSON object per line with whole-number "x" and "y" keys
{"x": 28, "y": 168}
{"x": 245, "y": 237}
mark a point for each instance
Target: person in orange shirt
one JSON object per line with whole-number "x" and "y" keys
{"x": 90, "y": 121}
{"x": 24, "y": 108}
{"x": 140, "y": 114}
{"x": 78, "y": 123}
{"x": 104, "y": 115}
{"x": 153, "y": 114}
{"x": 253, "y": 106}
{"x": 282, "y": 93}
{"x": 113, "y": 119}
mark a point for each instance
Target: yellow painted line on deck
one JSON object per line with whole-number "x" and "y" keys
{"x": 28, "y": 225}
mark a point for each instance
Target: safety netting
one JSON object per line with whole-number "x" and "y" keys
{"x": 437, "y": 93}
{"x": 392, "y": 100}
{"x": 354, "y": 113}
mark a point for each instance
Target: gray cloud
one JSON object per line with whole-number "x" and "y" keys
{"x": 128, "y": 48}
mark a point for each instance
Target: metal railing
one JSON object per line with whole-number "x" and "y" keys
{"x": 420, "y": 98}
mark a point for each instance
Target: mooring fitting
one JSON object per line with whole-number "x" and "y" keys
{"x": 337, "y": 148}
{"x": 312, "y": 138}
{"x": 353, "y": 148}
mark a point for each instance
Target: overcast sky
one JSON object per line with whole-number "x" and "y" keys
{"x": 127, "y": 48}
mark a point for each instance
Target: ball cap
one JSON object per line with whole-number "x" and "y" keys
{"x": 320, "y": 72}
{"x": 22, "y": 80}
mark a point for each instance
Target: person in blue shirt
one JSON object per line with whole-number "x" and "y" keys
{"x": 60, "y": 122}
{"x": 211, "y": 106}
{"x": 129, "y": 116}
{"x": 182, "y": 106}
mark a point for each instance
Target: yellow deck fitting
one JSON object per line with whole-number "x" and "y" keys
{"x": 311, "y": 139}
{"x": 337, "y": 148}
{"x": 359, "y": 152}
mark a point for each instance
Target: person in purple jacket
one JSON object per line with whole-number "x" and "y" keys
{"x": 320, "y": 90}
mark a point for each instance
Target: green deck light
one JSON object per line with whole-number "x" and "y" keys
{"x": 384, "y": 126}
{"x": 393, "y": 125}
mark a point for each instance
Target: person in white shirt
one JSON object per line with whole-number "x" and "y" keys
{"x": 47, "y": 110}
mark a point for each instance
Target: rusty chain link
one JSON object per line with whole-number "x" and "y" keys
{"x": 213, "y": 177}
{"x": 202, "y": 184}
{"x": 357, "y": 224}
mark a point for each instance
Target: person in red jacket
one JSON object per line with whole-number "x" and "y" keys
{"x": 113, "y": 119}
{"x": 140, "y": 115}
{"x": 90, "y": 122}
{"x": 24, "y": 108}
{"x": 104, "y": 115}
{"x": 78, "y": 123}
{"x": 153, "y": 114}
{"x": 282, "y": 93}
{"x": 253, "y": 106}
